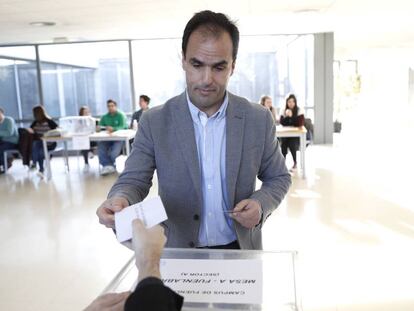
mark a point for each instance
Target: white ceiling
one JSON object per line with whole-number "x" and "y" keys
{"x": 357, "y": 24}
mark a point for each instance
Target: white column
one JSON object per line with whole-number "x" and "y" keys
{"x": 323, "y": 87}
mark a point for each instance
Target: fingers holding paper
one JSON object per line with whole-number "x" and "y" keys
{"x": 147, "y": 241}
{"x": 108, "y": 208}
{"x": 248, "y": 213}
{"x": 148, "y": 245}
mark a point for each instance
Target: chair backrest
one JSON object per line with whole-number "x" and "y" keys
{"x": 309, "y": 128}
{"x": 22, "y": 131}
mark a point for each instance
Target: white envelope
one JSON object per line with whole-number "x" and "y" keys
{"x": 150, "y": 211}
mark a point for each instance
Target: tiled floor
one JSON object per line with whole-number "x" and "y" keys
{"x": 352, "y": 221}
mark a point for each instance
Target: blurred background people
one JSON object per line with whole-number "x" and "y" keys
{"x": 9, "y": 137}
{"x": 85, "y": 112}
{"x": 266, "y": 101}
{"x": 42, "y": 123}
{"x": 144, "y": 101}
{"x": 108, "y": 151}
{"x": 292, "y": 115}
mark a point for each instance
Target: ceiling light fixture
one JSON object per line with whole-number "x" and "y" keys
{"x": 42, "y": 24}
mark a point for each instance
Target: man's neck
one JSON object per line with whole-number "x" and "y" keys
{"x": 209, "y": 111}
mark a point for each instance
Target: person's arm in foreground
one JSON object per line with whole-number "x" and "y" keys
{"x": 150, "y": 294}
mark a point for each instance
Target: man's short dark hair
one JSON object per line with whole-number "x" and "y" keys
{"x": 111, "y": 101}
{"x": 214, "y": 23}
{"x": 2, "y": 110}
{"x": 145, "y": 98}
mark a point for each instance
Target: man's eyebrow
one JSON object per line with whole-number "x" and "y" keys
{"x": 194, "y": 60}
{"x": 221, "y": 63}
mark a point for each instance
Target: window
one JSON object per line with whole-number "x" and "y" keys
{"x": 266, "y": 65}
{"x": 88, "y": 74}
{"x": 85, "y": 74}
{"x": 18, "y": 81}
{"x": 157, "y": 69}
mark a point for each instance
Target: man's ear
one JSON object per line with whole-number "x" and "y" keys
{"x": 233, "y": 65}
{"x": 183, "y": 60}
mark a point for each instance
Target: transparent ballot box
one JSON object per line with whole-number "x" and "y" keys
{"x": 77, "y": 125}
{"x": 224, "y": 279}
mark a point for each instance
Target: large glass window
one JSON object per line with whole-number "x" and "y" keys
{"x": 88, "y": 74}
{"x": 85, "y": 74}
{"x": 266, "y": 65}
{"x": 18, "y": 81}
{"x": 300, "y": 71}
{"x": 157, "y": 69}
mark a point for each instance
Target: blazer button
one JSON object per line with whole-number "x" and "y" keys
{"x": 191, "y": 244}
{"x": 196, "y": 217}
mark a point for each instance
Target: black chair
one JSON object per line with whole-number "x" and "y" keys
{"x": 309, "y": 134}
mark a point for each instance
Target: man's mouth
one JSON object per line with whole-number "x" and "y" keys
{"x": 206, "y": 91}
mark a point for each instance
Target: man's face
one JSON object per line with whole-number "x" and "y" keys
{"x": 111, "y": 108}
{"x": 1, "y": 116}
{"x": 208, "y": 66}
{"x": 143, "y": 104}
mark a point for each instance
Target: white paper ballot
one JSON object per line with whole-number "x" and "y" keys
{"x": 215, "y": 281}
{"x": 150, "y": 211}
{"x": 80, "y": 142}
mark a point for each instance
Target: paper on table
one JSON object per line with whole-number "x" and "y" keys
{"x": 80, "y": 142}
{"x": 150, "y": 211}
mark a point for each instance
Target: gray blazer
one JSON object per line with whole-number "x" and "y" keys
{"x": 165, "y": 141}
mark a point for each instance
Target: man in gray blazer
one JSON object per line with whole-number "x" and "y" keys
{"x": 208, "y": 147}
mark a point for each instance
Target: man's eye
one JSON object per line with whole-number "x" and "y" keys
{"x": 219, "y": 68}
{"x": 196, "y": 65}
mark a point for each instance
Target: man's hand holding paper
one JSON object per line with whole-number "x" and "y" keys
{"x": 151, "y": 212}
{"x": 107, "y": 210}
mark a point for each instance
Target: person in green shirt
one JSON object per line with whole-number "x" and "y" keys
{"x": 9, "y": 137}
{"x": 108, "y": 151}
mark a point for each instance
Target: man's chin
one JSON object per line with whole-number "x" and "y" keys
{"x": 204, "y": 102}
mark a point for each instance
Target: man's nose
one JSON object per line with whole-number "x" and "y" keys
{"x": 207, "y": 75}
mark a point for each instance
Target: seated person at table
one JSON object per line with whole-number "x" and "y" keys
{"x": 85, "y": 112}
{"x": 108, "y": 151}
{"x": 144, "y": 101}
{"x": 266, "y": 101}
{"x": 150, "y": 293}
{"x": 39, "y": 127}
{"x": 292, "y": 115}
{"x": 9, "y": 136}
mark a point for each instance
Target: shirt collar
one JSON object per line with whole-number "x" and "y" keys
{"x": 195, "y": 112}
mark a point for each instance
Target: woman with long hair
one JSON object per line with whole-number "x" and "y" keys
{"x": 266, "y": 101}
{"x": 41, "y": 124}
{"x": 85, "y": 112}
{"x": 292, "y": 115}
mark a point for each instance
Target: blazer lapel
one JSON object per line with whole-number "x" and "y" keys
{"x": 183, "y": 123}
{"x": 234, "y": 144}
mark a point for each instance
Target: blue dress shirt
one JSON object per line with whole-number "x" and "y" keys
{"x": 210, "y": 133}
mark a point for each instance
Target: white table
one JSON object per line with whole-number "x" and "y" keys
{"x": 300, "y": 132}
{"x": 121, "y": 135}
